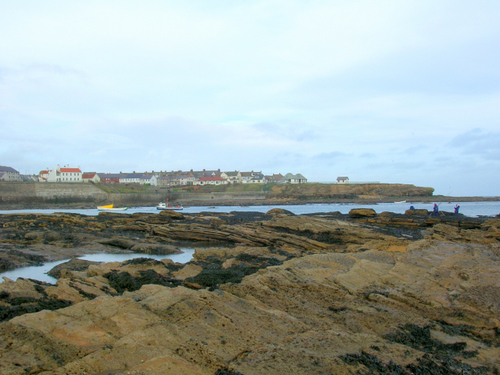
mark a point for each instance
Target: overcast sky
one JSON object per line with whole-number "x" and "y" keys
{"x": 390, "y": 91}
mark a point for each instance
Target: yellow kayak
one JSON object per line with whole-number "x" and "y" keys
{"x": 105, "y": 207}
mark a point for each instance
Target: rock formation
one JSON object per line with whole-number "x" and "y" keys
{"x": 268, "y": 293}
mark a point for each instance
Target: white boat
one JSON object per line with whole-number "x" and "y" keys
{"x": 163, "y": 206}
{"x": 400, "y": 202}
{"x": 111, "y": 207}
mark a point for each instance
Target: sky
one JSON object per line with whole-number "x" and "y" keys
{"x": 379, "y": 91}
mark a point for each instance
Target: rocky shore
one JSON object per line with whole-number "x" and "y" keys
{"x": 266, "y": 293}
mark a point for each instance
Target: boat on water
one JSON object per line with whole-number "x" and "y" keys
{"x": 400, "y": 202}
{"x": 164, "y": 206}
{"x": 111, "y": 207}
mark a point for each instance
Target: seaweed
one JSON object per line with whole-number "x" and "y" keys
{"x": 373, "y": 364}
{"x": 426, "y": 365}
{"x": 123, "y": 281}
{"x": 24, "y": 305}
{"x": 214, "y": 275}
{"x": 226, "y": 371}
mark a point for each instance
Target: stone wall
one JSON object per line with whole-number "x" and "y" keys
{"x": 33, "y": 192}
{"x": 184, "y": 198}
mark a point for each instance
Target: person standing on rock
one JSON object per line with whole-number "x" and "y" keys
{"x": 435, "y": 210}
{"x": 457, "y": 207}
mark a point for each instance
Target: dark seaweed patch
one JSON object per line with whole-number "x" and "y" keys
{"x": 420, "y": 338}
{"x": 213, "y": 274}
{"x": 146, "y": 261}
{"x": 373, "y": 364}
{"x": 123, "y": 281}
{"x": 226, "y": 371}
{"x": 24, "y": 305}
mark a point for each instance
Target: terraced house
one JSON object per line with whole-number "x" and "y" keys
{"x": 9, "y": 174}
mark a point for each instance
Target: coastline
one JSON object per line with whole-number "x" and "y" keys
{"x": 260, "y": 202}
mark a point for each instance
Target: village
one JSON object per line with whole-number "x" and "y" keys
{"x": 67, "y": 174}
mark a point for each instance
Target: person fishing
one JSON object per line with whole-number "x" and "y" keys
{"x": 435, "y": 210}
{"x": 457, "y": 207}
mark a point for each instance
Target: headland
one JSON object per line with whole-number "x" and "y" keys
{"x": 19, "y": 195}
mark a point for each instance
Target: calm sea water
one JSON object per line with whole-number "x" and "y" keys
{"x": 40, "y": 272}
{"x": 471, "y": 209}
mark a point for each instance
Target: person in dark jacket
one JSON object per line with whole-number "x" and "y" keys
{"x": 457, "y": 207}
{"x": 435, "y": 210}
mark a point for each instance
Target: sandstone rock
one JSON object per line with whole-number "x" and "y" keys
{"x": 417, "y": 212}
{"x": 362, "y": 212}
{"x": 298, "y": 295}
{"x": 280, "y": 211}
{"x": 72, "y": 265}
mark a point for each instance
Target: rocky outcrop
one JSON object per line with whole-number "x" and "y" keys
{"x": 298, "y": 294}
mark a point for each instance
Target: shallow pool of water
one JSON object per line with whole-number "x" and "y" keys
{"x": 40, "y": 272}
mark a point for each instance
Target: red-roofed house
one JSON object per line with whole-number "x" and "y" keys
{"x": 91, "y": 177}
{"x": 64, "y": 174}
{"x": 43, "y": 176}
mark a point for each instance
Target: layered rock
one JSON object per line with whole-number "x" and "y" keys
{"x": 283, "y": 294}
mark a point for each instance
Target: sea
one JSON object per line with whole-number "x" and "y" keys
{"x": 470, "y": 209}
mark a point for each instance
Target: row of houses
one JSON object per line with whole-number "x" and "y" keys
{"x": 173, "y": 178}
{"x": 193, "y": 178}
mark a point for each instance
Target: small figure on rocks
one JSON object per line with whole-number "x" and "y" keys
{"x": 435, "y": 210}
{"x": 457, "y": 207}
{"x": 412, "y": 208}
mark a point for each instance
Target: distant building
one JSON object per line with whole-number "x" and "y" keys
{"x": 252, "y": 177}
{"x": 148, "y": 178}
{"x": 212, "y": 180}
{"x": 91, "y": 177}
{"x": 295, "y": 178}
{"x": 275, "y": 178}
{"x": 131, "y": 178}
{"x": 342, "y": 180}
{"x": 109, "y": 178}
{"x": 61, "y": 174}
{"x": 258, "y": 178}
{"x": 9, "y": 174}
{"x": 232, "y": 177}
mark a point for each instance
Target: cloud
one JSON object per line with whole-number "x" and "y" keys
{"x": 366, "y": 89}
{"x": 478, "y": 142}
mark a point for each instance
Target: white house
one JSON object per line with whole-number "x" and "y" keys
{"x": 258, "y": 178}
{"x": 62, "y": 174}
{"x": 295, "y": 178}
{"x": 131, "y": 178}
{"x": 252, "y": 177}
{"x": 342, "y": 180}
{"x": 232, "y": 177}
{"x": 150, "y": 179}
{"x": 211, "y": 180}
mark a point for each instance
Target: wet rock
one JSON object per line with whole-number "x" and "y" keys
{"x": 174, "y": 215}
{"x": 280, "y": 211}
{"x": 362, "y": 212}
{"x": 421, "y": 212}
{"x": 71, "y": 265}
